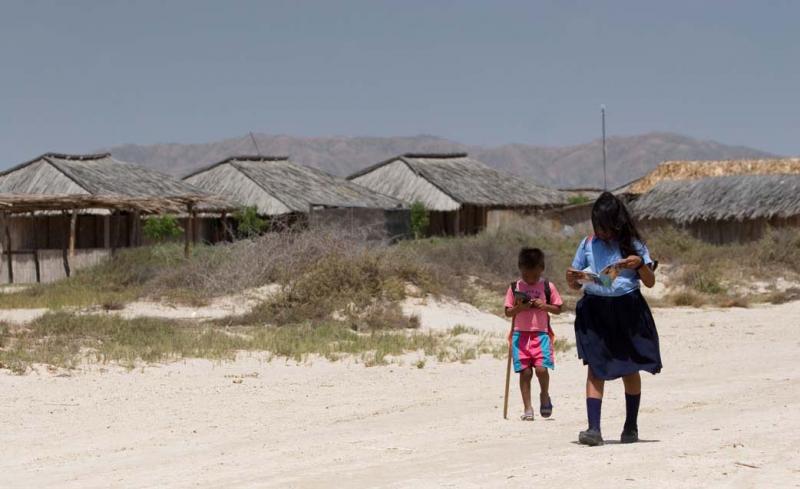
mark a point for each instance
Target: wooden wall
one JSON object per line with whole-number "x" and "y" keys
{"x": 578, "y": 215}
{"x": 50, "y": 264}
{"x": 51, "y": 232}
{"x": 725, "y": 231}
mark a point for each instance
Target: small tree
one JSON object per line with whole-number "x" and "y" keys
{"x": 161, "y": 228}
{"x": 248, "y": 222}
{"x": 419, "y": 219}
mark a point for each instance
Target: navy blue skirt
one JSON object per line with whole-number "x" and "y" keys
{"x": 616, "y": 336}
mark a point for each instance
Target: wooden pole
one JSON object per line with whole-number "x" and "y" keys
{"x": 65, "y": 248}
{"x": 188, "y": 232}
{"x": 9, "y": 256}
{"x": 136, "y": 225}
{"x": 38, "y": 266}
{"x": 195, "y": 228}
{"x": 107, "y": 231}
{"x": 73, "y": 223}
{"x": 508, "y": 373}
{"x": 114, "y": 223}
{"x": 3, "y": 247}
{"x": 221, "y": 235}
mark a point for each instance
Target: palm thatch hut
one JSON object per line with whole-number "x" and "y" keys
{"x": 287, "y": 194}
{"x": 723, "y": 209}
{"x": 58, "y": 203}
{"x": 695, "y": 170}
{"x": 462, "y": 194}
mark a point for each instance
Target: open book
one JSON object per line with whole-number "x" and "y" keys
{"x": 605, "y": 278}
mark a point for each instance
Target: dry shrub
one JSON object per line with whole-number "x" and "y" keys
{"x": 275, "y": 257}
{"x": 737, "y": 301}
{"x": 686, "y": 298}
{"x": 783, "y": 296}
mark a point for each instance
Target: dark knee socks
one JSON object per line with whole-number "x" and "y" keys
{"x": 632, "y": 411}
{"x": 593, "y": 408}
{"x": 593, "y": 412}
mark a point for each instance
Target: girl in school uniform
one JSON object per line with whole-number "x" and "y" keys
{"x": 614, "y": 330}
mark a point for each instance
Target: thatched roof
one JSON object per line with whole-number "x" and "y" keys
{"x": 694, "y": 170}
{"x": 275, "y": 186}
{"x": 99, "y": 174}
{"x": 56, "y": 181}
{"x": 736, "y": 197}
{"x": 24, "y": 203}
{"x": 452, "y": 180}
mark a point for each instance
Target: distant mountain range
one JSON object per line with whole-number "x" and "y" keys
{"x": 628, "y": 157}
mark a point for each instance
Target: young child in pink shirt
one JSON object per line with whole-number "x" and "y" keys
{"x": 530, "y": 301}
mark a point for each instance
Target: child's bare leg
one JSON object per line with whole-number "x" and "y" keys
{"x": 543, "y": 376}
{"x": 525, "y": 388}
{"x": 633, "y": 384}
{"x": 594, "y": 385}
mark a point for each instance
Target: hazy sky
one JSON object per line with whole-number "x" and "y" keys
{"x": 79, "y": 75}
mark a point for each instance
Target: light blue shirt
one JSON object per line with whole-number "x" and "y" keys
{"x": 596, "y": 254}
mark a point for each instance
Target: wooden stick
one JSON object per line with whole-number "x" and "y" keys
{"x": 188, "y": 232}
{"x": 9, "y": 258}
{"x": 73, "y": 222}
{"x": 508, "y": 373}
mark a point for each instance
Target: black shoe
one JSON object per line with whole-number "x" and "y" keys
{"x": 590, "y": 437}
{"x": 629, "y": 435}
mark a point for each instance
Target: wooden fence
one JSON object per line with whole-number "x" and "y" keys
{"x": 45, "y": 266}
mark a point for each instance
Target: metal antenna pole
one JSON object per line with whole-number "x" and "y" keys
{"x": 252, "y": 138}
{"x": 603, "y": 116}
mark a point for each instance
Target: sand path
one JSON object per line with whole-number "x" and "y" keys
{"x": 724, "y": 413}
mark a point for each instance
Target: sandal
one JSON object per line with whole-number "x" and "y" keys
{"x": 546, "y": 409}
{"x": 527, "y": 416}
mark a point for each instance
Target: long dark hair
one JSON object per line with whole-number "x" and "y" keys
{"x": 610, "y": 215}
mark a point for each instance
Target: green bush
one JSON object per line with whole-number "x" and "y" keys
{"x": 578, "y": 199}
{"x": 419, "y": 220}
{"x": 249, "y": 223}
{"x": 161, "y": 228}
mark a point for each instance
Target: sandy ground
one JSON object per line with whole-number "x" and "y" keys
{"x": 725, "y": 412}
{"x": 219, "y": 307}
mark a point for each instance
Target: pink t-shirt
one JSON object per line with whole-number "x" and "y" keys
{"x": 533, "y": 319}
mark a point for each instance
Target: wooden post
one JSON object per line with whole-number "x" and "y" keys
{"x": 9, "y": 257}
{"x": 107, "y": 231}
{"x": 38, "y": 266}
{"x": 73, "y": 222}
{"x": 6, "y": 247}
{"x": 135, "y": 229}
{"x": 228, "y": 230}
{"x": 114, "y": 223}
{"x": 188, "y": 232}
{"x": 2, "y": 246}
{"x": 195, "y": 228}
{"x": 66, "y": 246}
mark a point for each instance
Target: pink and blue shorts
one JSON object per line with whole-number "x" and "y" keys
{"x": 531, "y": 349}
